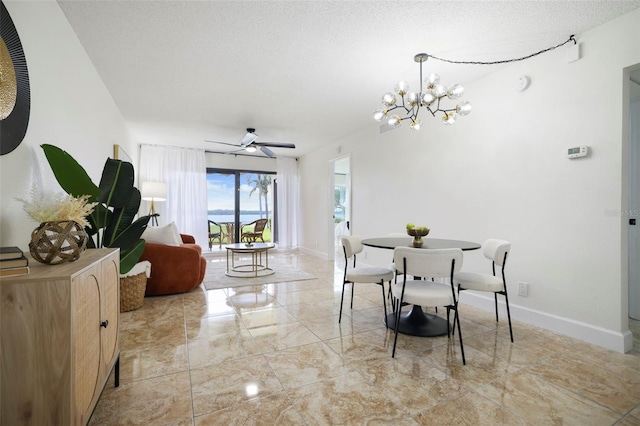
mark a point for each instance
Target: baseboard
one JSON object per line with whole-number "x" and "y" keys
{"x": 320, "y": 254}
{"x": 616, "y": 341}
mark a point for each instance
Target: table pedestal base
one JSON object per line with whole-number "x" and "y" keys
{"x": 418, "y": 323}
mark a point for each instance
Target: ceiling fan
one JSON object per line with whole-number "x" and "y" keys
{"x": 249, "y": 144}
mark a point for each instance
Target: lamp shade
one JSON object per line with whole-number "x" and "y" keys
{"x": 154, "y": 191}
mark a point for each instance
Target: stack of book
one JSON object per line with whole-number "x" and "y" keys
{"x": 13, "y": 262}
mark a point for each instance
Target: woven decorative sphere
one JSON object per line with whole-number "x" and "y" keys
{"x": 57, "y": 242}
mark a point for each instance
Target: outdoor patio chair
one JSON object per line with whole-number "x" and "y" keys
{"x": 253, "y": 231}
{"x": 215, "y": 233}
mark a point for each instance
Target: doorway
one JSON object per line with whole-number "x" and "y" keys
{"x": 634, "y": 196}
{"x": 340, "y": 202}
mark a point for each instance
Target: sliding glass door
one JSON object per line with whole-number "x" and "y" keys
{"x": 236, "y": 200}
{"x": 221, "y": 207}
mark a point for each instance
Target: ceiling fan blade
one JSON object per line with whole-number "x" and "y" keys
{"x": 275, "y": 144}
{"x": 248, "y": 139}
{"x": 267, "y": 152}
{"x": 223, "y": 143}
{"x": 240, "y": 152}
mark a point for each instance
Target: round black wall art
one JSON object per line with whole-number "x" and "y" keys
{"x": 15, "y": 96}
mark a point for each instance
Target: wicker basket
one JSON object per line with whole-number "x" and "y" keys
{"x": 132, "y": 290}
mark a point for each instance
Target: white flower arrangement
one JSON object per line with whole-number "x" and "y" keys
{"x": 53, "y": 207}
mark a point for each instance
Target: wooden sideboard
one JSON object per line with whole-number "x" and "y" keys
{"x": 59, "y": 339}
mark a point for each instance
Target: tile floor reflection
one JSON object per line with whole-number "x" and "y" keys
{"x": 275, "y": 354}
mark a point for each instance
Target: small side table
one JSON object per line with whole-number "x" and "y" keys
{"x": 257, "y": 267}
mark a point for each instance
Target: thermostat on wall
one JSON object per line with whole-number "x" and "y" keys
{"x": 578, "y": 151}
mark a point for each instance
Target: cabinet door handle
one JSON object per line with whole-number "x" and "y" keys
{"x": 104, "y": 323}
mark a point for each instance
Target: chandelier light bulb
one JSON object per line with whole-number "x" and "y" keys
{"x": 428, "y": 98}
{"x": 413, "y": 99}
{"x": 402, "y": 88}
{"x": 432, "y": 80}
{"x": 380, "y": 114}
{"x": 455, "y": 92}
{"x": 440, "y": 90}
{"x": 395, "y": 121}
{"x": 464, "y": 108}
{"x": 415, "y": 124}
{"x": 388, "y": 99}
{"x": 449, "y": 118}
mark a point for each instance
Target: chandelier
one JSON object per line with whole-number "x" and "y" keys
{"x": 432, "y": 99}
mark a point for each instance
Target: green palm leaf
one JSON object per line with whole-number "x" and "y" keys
{"x": 71, "y": 176}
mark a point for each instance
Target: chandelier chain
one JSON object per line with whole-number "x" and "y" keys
{"x": 504, "y": 61}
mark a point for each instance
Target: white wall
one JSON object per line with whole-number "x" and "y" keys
{"x": 70, "y": 108}
{"x": 502, "y": 172}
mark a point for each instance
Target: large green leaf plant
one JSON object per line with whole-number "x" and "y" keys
{"x": 113, "y": 221}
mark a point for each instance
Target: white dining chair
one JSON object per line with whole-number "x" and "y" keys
{"x": 351, "y": 246}
{"x": 496, "y": 251}
{"x": 436, "y": 263}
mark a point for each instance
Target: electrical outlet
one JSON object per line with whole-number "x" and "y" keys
{"x": 523, "y": 289}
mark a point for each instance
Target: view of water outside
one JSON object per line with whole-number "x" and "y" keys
{"x": 256, "y": 197}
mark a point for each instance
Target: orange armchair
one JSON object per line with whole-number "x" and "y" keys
{"x": 174, "y": 269}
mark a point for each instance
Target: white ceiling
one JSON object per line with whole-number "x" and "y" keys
{"x": 306, "y": 72}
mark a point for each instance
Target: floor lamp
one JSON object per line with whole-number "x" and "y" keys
{"x": 154, "y": 191}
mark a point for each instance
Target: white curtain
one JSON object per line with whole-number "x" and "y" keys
{"x": 288, "y": 190}
{"x": 184, "y": 171}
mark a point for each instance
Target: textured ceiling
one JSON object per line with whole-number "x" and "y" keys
{"x": 306, "y": 72}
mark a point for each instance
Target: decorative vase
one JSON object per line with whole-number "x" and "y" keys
{"x": 57, "y": 242}
{"x": 417, "y": 234}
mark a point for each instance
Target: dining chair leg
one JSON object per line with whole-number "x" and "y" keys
{"x": 353, "y": 290}
{"x": 495, "y": 298}
{"x": 456, "y": 314}
{"x": 457, "y": 319}
{"x": 384, "y": 301}
{"x": 341, "y": 302}
{"x": 506, "y": 298}
{"x": 397, "y": 320}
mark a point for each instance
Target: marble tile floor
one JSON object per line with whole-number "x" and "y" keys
{"x": 275, "y": 354}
